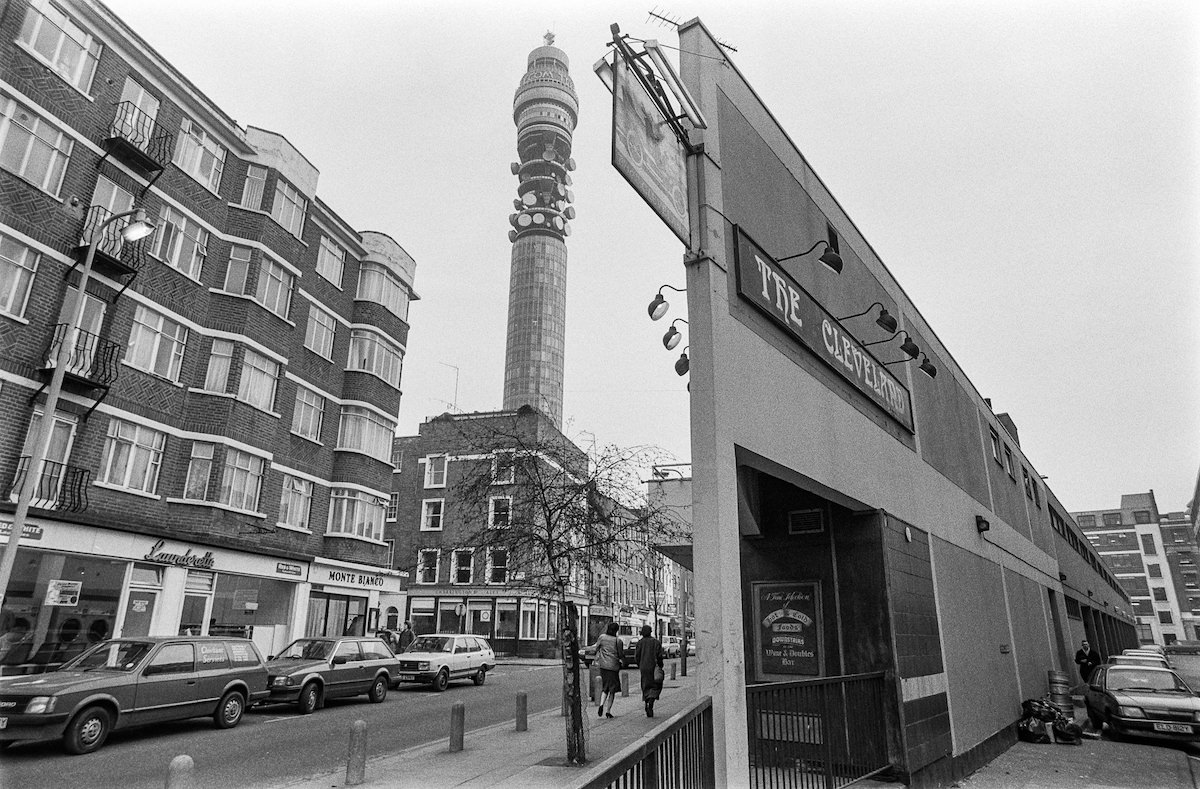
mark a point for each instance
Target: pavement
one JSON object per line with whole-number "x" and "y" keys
{"x": 499, "y": 757}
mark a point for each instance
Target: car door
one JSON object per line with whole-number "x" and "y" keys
{"x": 1094, "y": 692}
{"x": 346, "y": 677}
{"x": 212, "y": 673}
{"x": 168, "y": 688}
{"x": 376, "y": 655}
{"x": 461, "y": 665}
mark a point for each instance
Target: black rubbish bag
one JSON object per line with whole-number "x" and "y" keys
{"x": 1031, "y": 729}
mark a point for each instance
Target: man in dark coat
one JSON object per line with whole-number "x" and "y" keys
{"x": 649, "y": 656}
{"x": 1087, "y": 659}
{"x": 406, "y": 637}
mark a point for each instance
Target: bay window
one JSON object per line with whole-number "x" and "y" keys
{"x": 132, "y": 456}
{"x": 199, "y": 155}
{"x": 55, "y": 39}
{"x": 156, "y": 344}
{"x": 356, "y": 513}
{"x": 371, "y": 352}
{"x": 377, "y": 284}
{"x": 363, "y": 430}
{"x": 259, "y": 378}
{"x": 295, "y": 503}
{"x": 242, "y": 479}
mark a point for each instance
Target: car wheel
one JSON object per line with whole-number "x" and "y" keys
{"x": 480, "y": 676}
{"x": 441, "y": 680}
{"x": 1096, "y": 719}
{"x": 87, "y": 731}
{"x": 378, "y": 691}
{"x": 310, "y": 698}
{"x": 229, "y": 711}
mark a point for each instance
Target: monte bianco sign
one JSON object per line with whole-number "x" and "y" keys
{"x": 765, "y": 284}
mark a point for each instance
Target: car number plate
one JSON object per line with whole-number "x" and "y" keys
{"x": 407, "y": 677}
{"x": 1174, "y": 728}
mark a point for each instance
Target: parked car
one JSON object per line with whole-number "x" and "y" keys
{"x": 1143, "y": 701}
{"x": 310, "y": 671}
{"x": 129, "y": 682}
{"x": 671, "y": 646}
{"x": 441, "y": 657}
{"x": 691, "y": 650}
{"x": 1139, "y": 660}
{"x": 1185, "y": 661}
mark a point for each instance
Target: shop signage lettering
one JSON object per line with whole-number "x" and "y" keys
{"x": 358, "y": 579}
{"x": 283, "y": 568}
{"x": 28, "y": 531}
{"x": 787, "y": 629}
{"x": 765, "y": 284}
{"x": 185, "y": 559}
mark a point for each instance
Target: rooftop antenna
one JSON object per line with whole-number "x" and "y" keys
{"x": 666, "y": 18}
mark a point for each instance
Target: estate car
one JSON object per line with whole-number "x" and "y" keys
{"x": 311, "y": 670}
{"x": 438, "y": 658}
{"x": 1144, "y": 701}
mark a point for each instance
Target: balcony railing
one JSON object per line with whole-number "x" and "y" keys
{"x": 136, "y": 136}
{"x": 58, "y": 486}
{"x": 817, "y": 734}
{"x": 112, "y": 250}
{"x": 91, "y": 359}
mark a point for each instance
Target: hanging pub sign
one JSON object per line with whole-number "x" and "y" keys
{"x": 774, "y": 292}
{"x": 787, "y": 629}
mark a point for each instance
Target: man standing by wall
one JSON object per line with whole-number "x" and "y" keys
{"x": 1087, "y": 659}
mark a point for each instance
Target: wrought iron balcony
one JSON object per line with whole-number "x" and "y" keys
{"x": 58, "y": 486}
{"x": 91, "y": 360}
{"x": 139, "y": 139}
{"x": 114, "y": 254}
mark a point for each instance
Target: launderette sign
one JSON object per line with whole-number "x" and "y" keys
{"x": 765, "y": 284}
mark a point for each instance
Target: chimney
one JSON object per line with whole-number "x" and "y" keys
{"x": 1009, "y": 426}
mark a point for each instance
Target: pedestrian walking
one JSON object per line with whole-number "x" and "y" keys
{"x": 649, "y": 657}
{"x": 1087, "y": 658}
{"x": 406, "y": 637}
{"x": 608, "y": 649}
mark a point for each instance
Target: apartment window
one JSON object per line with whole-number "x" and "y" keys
{"x": 393, "y": 507}
{"x": 1037, "y": 495}
{"x": 435, "y": 471}
{"x": 274, "y": 288}
{"x": 1148, "y": 545}
{"x": 431, "y": 514}
{"x": 195, "y": 486}
{"x": 397, "y": 458}
{"x": 503, "y": 468}
{"x": 377, "y": 284}
{"x": 363, "y": 430}
{"x": 1112, "y": 519}
{"x": 61, "y": 44}
{"x": 462, "y": 565}
{"x": 1164, "y": 618}
{"x": 288, "y": 207}
{"x": 252, "y": 190}
{"x": 238, "y": 273}
{"x": 427, "y": 566}
{"x": 308, "y": 414}
{"x": 220, "y": 359}
{"x": 241, "y": 481}
{"x": 18, "y": 264}
{"x": 156, "y": 343}
{"x": 320, "y": 332}
{"x": 1028, "y": 485}
{"x": 499, "y": 512}
{"x": 180, "y": 242}
{"x": 135, "y": 122}
{"x": 51, "y": 473}
{"x": 132, "y": 456}
{"x": 1141, "y": 516}
{"x": 295, "y": 503}
{"x": 995, "y": 437}
{"x": 371, "y": 353}
{"x": 199, "y": 155}
{"x": 1154, "y": 570}
{"x": 331, "y": 261}
{"x": 1008, "y": 462}
{"x": 1086, "y": 521}
{"x": 1160, "y": 593}
{"x": 497, "y": 566}
{"x": 259, "y": 378}
{"x": 33, "y": 148}
{"x": 356, "y": 513}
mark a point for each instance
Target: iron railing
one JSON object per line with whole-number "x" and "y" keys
{"x": 112, "y": 246}
{"x": 143, "y": 133}
{"x": 817, "y": 734}
{"x": 91, "y": 357}
{"x": 58, "y": 486}
{"x": 678, "y": 757}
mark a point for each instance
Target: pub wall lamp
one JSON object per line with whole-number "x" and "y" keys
{"x": 682, "y": 364}
{"x": 908, "y": 346}
{"x": 982, "y": 524}
{"x": 925, "y": 366}
{"x": 672, "y": 337}
{"x": 831, "y": 259}
{"x": 886, "y": 320}
{"x": 658, "y": 306}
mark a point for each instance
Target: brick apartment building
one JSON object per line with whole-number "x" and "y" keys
{"x": 220, "y": 457}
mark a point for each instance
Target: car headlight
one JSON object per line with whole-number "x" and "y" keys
{"x": 281, "y": 682}
{"x": 1130, "y": 712}
{"x": 423, "y": 665}
{"x": 40, "y": 704}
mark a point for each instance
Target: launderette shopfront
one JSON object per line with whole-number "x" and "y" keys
{"x": 73, "y": 585}
{"x": 345, "y": 598}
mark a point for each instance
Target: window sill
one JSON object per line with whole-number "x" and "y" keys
{"x": 331, "y": 282}
{"x": 204, "y": 184}
{"x": 218, "y": 505}
{"x": 22, "y": 178}
{"x": 365, "y": 454}
{"x": 252, "y": 300}
{"x": 427, "y": 529}
{"x": 289, "y": 527}
{"x": 164, "y": 379}
{"x": 248, "y": 209}
{"x": 357, "y": 538}
{"x": 33, "y": 53}
{"x": 258, "y": 408}
{"x": 14, "y": 318}
{"x": 317, "y": 353}
{"x": 306, "y": 438}
{"x": 131, "y": 491}
{"x": 177, "y": 270}
{"x": 210, "y": 393}
{"x": 374, "y": 375}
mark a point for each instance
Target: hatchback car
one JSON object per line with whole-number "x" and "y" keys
{"x": 670, "y": 645}
{"x": 311, "y": 670}
{"x": 1143, "y": 701}
{"x": 438, "y": 658}
{"x": 131, "y": 682}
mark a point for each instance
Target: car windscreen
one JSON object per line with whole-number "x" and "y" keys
{"x": 432, "y": 644}
{"x": 118, "y": 655}
{"x": 1120, "y": 678}
{"x": 308, "y": 649}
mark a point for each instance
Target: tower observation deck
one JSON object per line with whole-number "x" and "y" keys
{"x": 545, "y": 110}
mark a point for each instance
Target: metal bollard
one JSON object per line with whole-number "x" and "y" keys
{"x": 597, "y": 689}
{"x": 179, "y": 773}
{"x": 458, "y": 723}
{"x": 672, "y": 675}
{"x": 624, "y": 683}
{"x": 356, "y": 758}
{"x": 522, "y": 712}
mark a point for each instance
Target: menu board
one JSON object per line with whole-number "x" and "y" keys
{"x": 787, "y": 631}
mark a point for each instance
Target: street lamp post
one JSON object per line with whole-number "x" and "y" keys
{"x": 138, "y": 228}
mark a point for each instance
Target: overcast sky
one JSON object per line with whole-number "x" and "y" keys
{"x": 1027, "y": 170}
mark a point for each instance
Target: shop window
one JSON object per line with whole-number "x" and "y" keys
{"x": 244, "y": 605}
{"x": 421, "y": 615}
{"x": 529, "y": 619}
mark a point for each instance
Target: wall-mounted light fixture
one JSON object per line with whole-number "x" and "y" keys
{"x": 658, "y": 305}
{"x": 672, "y": 337}
{"x": 908, "y": 346}
{"x": 831, "y": 259}
{"x": 981, "y": 524}
{"x": 886, "y": 320}
{"x": 1062, "y": 576}
{"x": 682, "y": 365}
{"x": 927, "y": 367}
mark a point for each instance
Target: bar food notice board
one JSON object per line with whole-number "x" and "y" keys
{"x": 787, "y": 632}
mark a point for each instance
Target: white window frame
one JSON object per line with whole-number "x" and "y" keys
{"x": 492, "y": 512}
{"x": 175, "y": 231}
{"x": 497, "y": 466}
{"x": 220, "y": 364}
{"x": 456, "y": 566}
{"x": 241, "y": 480}
{"x": 491, "y": 566}
{"x": 528, "y": 633}
{"x": 18, "y": 267}
{"x": 289, "y": 207}
{"x": 198, "y": 154}
{"x": 376, "y": 283}
{"x": 371, "y": 352}
{"x": 331, "y": 261}
{"x": 308, "y": 415}
{"x": 253, "y": 187}
{"x": 363, "y": 430}
{"x": 355, "y": 513}
{"x": 156, "y": 344}
{"x": 199, "y": 471}
{"x": 274, "y": 291}
{"x": 237, "y": 275}
{"x": 321, "y": 332}
{"x": 431, "y": 520}
{"x": 393, "y": 507}
{"x": 42, "y": 27}
{"x": 435, "y": 471}
{"x": 259, "y": 381}
{"x": 140, "y": 444}
{"x": 422, "y": 566}
{"x": 295, "y": 503}
{"x": 17, "y": 119}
